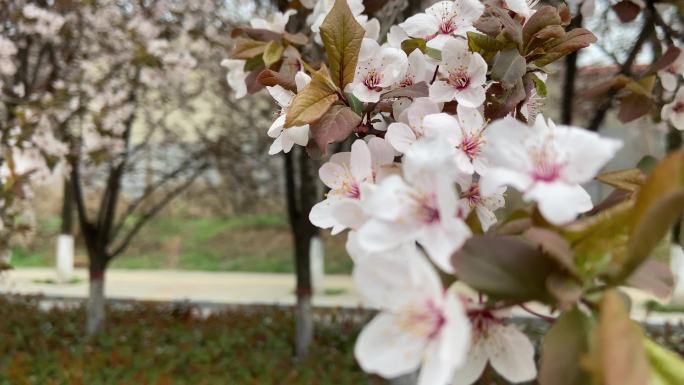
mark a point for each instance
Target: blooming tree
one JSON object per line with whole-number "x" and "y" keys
{"x": 443, "y": 121}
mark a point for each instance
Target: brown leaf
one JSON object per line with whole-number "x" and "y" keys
{"x": 247, "y": 49}
{"x": 629, "y": 180}
{"x": 554, "y": 245}
{"x": 574, "y": 40}
{"x": 500, "y": 101}
{"x": 342, "y": 36}
{"x": 334, "y": 126}
{"x": 313, "y": 101}
{"x": 545, "y": 16}
{"x": 619, "y": 345}
{"x": 263, "y": 35}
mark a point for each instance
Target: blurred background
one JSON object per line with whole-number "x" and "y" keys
{"x": 210, "y": 261}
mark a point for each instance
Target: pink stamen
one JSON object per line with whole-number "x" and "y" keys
{"x": 459, "y": 80}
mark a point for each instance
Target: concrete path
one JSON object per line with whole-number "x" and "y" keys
{"x": 221, "y": 288}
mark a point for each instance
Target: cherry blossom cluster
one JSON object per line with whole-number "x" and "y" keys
{"x": 442, "y": 121}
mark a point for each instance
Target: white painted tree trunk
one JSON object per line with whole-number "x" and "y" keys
{"x": 317, "y": 256}
{"x": 65, "y": 258}
{"x": 304, "y": 327}
{"x": 96, "y": 305}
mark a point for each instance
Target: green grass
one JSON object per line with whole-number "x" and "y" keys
{"x": 258, "y": 243}
{"x": 169, "y": 345}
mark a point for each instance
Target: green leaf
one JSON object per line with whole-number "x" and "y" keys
{"x": 313, "y": 101}
{"x": 620, "y": 356}
{"x": 334, "y": 126}
{"x": 354, "y": 103}
{"x": 509, "y": 67}
{"x": 504, "y": 267}
{"x": 659, "y": 204}
{"x": 434, "y": 53}
{"x": 272, "y": 53}
{"x": 411, "y": 45}
{"x": 484, "y": 45}
{"x": 563, "y": 349}
{"x": 539, "y": 85}
{"x": 667, "y": 368}
{"x": 247, "y": 49}
{"x": 342, "y": 36}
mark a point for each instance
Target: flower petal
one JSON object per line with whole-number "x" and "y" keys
{"x": 511, "y": 353}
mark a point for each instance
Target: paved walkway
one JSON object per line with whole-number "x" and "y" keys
{"x": 220, "y": 288}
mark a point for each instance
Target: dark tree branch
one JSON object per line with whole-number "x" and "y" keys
{"x": 570, "y": 77}
{"x": 154, "y": 210}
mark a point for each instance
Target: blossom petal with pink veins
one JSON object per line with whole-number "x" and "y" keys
{"x": 332, "y": 175}
{"x": 472, "y": 97}
{"x": 587, "y": 153}
{"x": 385, "y": 349}
{"x": 420, "y": 25}
{"x": 449, "y": 349}
{"x": 302, "y": 80}
{"x": 381, "y": 151}
{"x": 559, "y": 202}
{"x": 473, "y": 367}
{"x": 282, "y": 96}
{"x": 511, "y": 353}
{"x": 400, "y": 136}
{"x": 497, "y": 177}
{"x": 298, "y": 134}
{"x": 440, "y": 91}
{"x": 360, "y": 165}
{"x": 276, "y": 146}
{"x": 277, "y": 127}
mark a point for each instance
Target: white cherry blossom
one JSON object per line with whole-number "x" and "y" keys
{"x": 463, "y": 76}
{"x": 276, "y": 22}
{"x": 443, "y": 20}
{"x": 484, "y": 205}
{"x": 350, "y": 176}
{"x": 420, "y": 325}
{"x": 466, "y": 132}
{"x": 285, "y": 138}
{"x": 409, "y": 123}
{"x": 419, "y": 70}
{"x": 236, "y": 76}
{"x": 674, "y": 111}
{"x": 547, "y": 163}
{"x": 422, "y": 207}
{"x": 504, "y": 347}
{"x": 378, "y": 67}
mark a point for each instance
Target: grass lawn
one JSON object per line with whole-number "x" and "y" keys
{"x": 163, "y": 345}
{"x": 259, "y": 243}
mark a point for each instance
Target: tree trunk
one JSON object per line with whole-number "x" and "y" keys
{"x": 570, "y": 76}
{"x": 302, "y": 191}
{"x": 95, "y": 312}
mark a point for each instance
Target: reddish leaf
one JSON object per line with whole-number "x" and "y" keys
{"x": 334, "y": 126}
{"x": 634, "y": 106}
{"x": 247, "y": 49}
{"x": 565, "y": 344}
{"x": 664, "y": 61}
